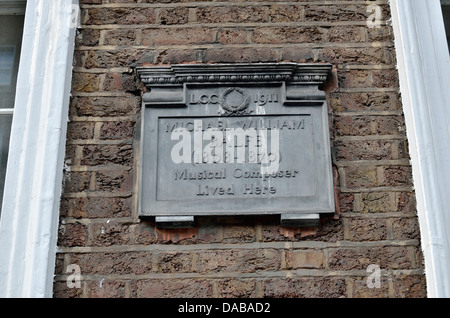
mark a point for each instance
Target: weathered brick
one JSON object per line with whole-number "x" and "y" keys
{"x": 361, "y": 230}
{"x": 369, "y": 78}
{"x": 297, "y": 54}
{"x": 120, "y": 37}
{"x": 364, "y": 150}
{"x": 288, "y": 35}
{"x": 109, "y": 234}
{"x": 244, "y": 55}
{"x": 369, "y": 125}
{"x": 179, "y": 15}
{"x": 286, "y": 13}
{"x": 172, "y": 288}
{"x": 174, "y": 262}
{"x": 96, "y": 207}
{"x": 376, "y": 202}
{"x": 137, "y": 263}
{"x": 361, "y": 56}
{"x": 406, "y": 202}
{"x": 236, "y": 288}
{"x": 174, "y": 37}
{"x": 61, "y": 290}
{"x": 116, "y": 58}
{"x": 361, "y": 288}
{"x": 244, "y": 261}
{"x": 381, "y": 34}
{"x": 177, "y": 56}
{"x": 124, "y": 82}
{"x": 87, "y": 37}
{"x": 346, "y": 34}
{"x": 308, "y": 287}
{"x": 94, "y": 155}
{"x": 128, "y": 16}
{"x": 85, "y": 82}
{"x": 361, "y": 177}
{"x": 304, "y": 259}
{"x": 354, "y": 126}
{"x": 405, "y": 229}
{"x": 106, "y": 289}
{"x": 117, "y": 130}
{"x": 145, "y": 233}
{"x": 364, "y": 102}
{"x": 346, "y": 202}
{"x": 387, "y": 257}
{"x": 105, "y": 106}
{"x": 77, "y": 182}
{"x": 73, "y": 234}
{"x": 232, "y": 36}
{"x": 398, "y": 175}
{"x": 337, "y": 12}
{"x": 410, "y": 286}
{"x": 238, "y": 234}
{"x": 231, "y": 14}
{"x": 80, "y": 130}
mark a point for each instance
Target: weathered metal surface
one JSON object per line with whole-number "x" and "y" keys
{"x": 235, "y": 140}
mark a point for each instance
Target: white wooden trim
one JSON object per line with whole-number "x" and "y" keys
{"x": 6, "y": 111}
{"x": 424, "y": 69}
{"x": 29, "y": 219}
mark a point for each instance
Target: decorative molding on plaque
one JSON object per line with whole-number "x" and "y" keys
{"x": 305, "y": 74}
{"x": 168, "y": 83}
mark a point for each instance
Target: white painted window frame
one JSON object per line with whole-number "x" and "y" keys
{"x": 30, "y": 211}
{"x": 424, "y": 70}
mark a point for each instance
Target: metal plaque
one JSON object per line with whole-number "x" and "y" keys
{"x": 245, "y": 139}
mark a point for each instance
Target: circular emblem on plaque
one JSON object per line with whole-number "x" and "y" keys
{"x": 234, "y": 100}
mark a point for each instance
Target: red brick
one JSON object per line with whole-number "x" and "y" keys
{"x": 361, "y": 177}
{"x": 286, "y": 13}
{"x": 94, "y": 155}
{"x": 73, "y": 234}
{"x": 362, "y": 230}
{"x": 305, "y": 287}
{"x": 276, "y": 35}
{"x": 96, "y": 207}
{"x": 405, "y": 229}
{"x": 109, "y": 234}
{"x": 127, "y": 16}
{"x": 364, "y": 150}
{"x": 106, "y": 289}
{"x": 172, "y": 16}
{"x": 116, "y": 130}
{"x": 80, "y": 130}
{"x": 387, "y": 257}
{"x": 172, "y": 288}
{"x": 237, "y": 288}
{"x": 105, "y": 106}
{"x": 174, "y": 262}
{"x": 243, "y": 261}
{"x": 410, "y": 286}
{"x": 304, "y": 259}
{"x": 238, "y": 14}
{"x": 185, "y": 36}
{"x": 137, "y": 263}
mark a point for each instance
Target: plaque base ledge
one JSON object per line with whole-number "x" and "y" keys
{"x": 300, "y": 220}
{"x": 174, "y": 222}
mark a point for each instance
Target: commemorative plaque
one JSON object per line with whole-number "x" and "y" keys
{"x": 235, "y": 139}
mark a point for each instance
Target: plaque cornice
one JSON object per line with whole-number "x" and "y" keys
{"x": 294, "y": 73}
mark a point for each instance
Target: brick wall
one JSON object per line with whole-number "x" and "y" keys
{"x": 121, "y": 256}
